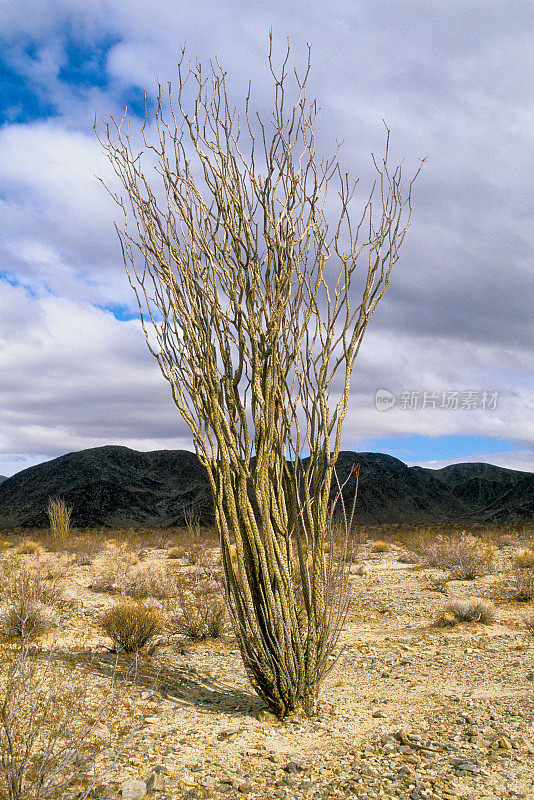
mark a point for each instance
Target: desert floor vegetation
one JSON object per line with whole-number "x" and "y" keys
{"x": 447, "y": 710}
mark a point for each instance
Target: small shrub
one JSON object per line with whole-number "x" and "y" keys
{"x": 26, "y": 619}
{"x": 175, "y": 552}
{"x": 28, "y": 547}
{"x": 380, "y": 546}
{"x": 114, "y": 568}
{"x": 519, "y": 585}
{"x": 194, "y": 602}
{"x": 529, "y": 623}
{"x": 40, "y": 581}
{"x": 465, "y": 557}
{"x": 53, "y": 727}
{"x": 469, "y": 611}
{"x": 445, "y": 619}
{"x": 130, "y": 624}
{"x": 524, "y": 560}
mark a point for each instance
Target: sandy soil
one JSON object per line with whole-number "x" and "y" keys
{"x": 409, "y": 710}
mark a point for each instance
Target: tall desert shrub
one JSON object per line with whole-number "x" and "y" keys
{"x": 59, "y": 514}
{"x": 245, "y": 292}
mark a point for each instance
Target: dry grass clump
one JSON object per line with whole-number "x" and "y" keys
{"x": 53, "y": 726}
{"x": 28, "y": 547}
{"x": 194, "y": 601}
{"x": 114, "y": 567}
{"x": 465, "y": 611}
{"x": 131, "y": 624}
{"x": 26, "y": 619}
{"x": 528, "y": 621}
{"x": 518, "y": 585}
{"x": 380, "y": 546}
{"x": 27, "y": 592}
{"x": 524, "y": 560}
{"x": 41, "y": 580}
{"x": 464, "y": 556}
{"x": 175, "y": 552}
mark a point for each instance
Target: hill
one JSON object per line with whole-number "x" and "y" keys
{"x": 118, "y": 487}
{"x": 111, "y": 486}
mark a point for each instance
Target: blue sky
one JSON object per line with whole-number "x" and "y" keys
{"x": 453, "y": 82}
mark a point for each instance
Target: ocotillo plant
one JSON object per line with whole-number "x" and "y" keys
{"x": 245, "y": 293}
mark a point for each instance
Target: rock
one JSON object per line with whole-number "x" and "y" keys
{"x": 293, "y": 768}
{"x": 463, "y": 765}
{"x": 379, "y": 715}
{"x": 155, "y": 782}
{"x": 267, "y": 716}
{"x": 505, "y": 743}
{"x": 229, "y": 735}
{"x": 133, "y": 789}
{"x": 202, "y": 793}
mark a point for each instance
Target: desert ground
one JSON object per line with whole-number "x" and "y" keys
{"x": 431, "y": 694}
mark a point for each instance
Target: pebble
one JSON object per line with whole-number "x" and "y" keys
{"x": 230, "y": 735}
{"x": 293, "y": 768}
{"x": 155, "y": 782}
{"x": 133, "y": 789}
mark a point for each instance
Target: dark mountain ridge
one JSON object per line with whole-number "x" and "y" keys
{"x": 118, "y": 487}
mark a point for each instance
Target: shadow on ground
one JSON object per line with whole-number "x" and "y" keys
{"x": 178, "y": 683}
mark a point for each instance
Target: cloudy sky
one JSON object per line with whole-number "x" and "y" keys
{"x": 451, "y": 346}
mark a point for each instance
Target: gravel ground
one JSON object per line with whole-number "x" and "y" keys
{"x": 410, "y": 710}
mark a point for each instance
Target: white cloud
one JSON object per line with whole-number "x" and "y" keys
{"x": 72, "y": 376}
